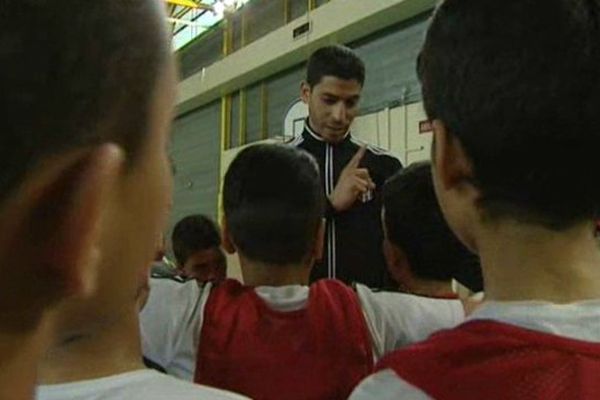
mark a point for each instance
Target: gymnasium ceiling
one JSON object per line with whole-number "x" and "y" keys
{"x": 190, "y": 18}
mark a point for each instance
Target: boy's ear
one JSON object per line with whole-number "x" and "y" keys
{"x": 49, "y": 228}
{"x": 305, "y": 91}
{"x": 397, "y": 263}
{"x": 449, "y": 159}
{"x": 226, "y": 240}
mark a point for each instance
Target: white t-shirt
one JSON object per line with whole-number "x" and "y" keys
{"x": 172, "y": 319}
{"x": 142, "y": 385}
{"x": 579, "y": 321}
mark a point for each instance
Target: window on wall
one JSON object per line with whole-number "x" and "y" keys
{"x": 261, "y": 17}
{"x": 189, "y": 23}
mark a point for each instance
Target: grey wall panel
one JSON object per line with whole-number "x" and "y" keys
{"x": 390, "y": 60}
{"x": 297, "y": 8}
{"x": 263, "y": 17}
{"x": 236, "y": 22}
{"x": 200, "y": 53}
{"x": 195, "y": 152}
{"x": 282, "y": 90}
{"x": 253, "y": 114}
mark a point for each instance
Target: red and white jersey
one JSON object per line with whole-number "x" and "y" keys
{"x": 512, "y": 350}
{"x": 173, "y": 318}
{"x": 319, "y": 352}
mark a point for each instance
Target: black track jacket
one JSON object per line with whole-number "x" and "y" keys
{"x": 353, "y": 241}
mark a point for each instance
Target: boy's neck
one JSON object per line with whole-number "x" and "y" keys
{"x": 108, "y": 351}
{"x": 21, "y": 353}
{"x": 525, "y": 262}
{"x": 260, "y": 274}
{"x": 428, "y": 288}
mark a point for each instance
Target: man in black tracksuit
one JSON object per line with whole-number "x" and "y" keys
{"x": 353, "y": 173}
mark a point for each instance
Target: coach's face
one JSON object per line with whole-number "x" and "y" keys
{"x": 332, "y": 106}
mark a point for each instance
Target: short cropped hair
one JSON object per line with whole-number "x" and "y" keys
{"x": 415, "y": 223}
{"x": 192, "y": 234}
{"x": 337, "y": 61}
{"x": 273, "y": 203}
{"x": 74, "y": 74}
{"x": 516, "y": 82}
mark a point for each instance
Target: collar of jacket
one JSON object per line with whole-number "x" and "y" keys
{"x": 310, "y": 133}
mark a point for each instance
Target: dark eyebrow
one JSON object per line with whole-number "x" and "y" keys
{"x": 356, "y": 97}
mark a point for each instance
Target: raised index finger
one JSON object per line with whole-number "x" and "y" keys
{"x": 358, "y": 157}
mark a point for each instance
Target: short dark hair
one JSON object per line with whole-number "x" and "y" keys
{"x": 338, "y": 61}
{"x": 415, "y": 223}
{"x": 273, "y": 203}
{"x": 74, "y": 74}
{"x": 192, "y": 234}
{"x": 517, "y": 83}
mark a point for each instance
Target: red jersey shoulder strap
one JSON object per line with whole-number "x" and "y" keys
{"x": 493, "y": 360}
{"x": 320, "y": 351}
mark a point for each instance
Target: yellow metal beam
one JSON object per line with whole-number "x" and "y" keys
{"x": 227, "y": 36}
{"x": 184, "y": 3}
{"x": 226, "y": 100}
{"x": 225, "y": 133}
{"x": 264, "y": 111}
{"x": 243, "y": 28}
{"x": 287, "y": 15}
{"x": 243, "y": 116}
{"x": 225, "y": 122}
{"x": 189, "y": 4}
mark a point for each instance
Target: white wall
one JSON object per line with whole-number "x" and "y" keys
{"x": 397, "y": 130}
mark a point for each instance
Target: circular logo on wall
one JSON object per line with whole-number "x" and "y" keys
{"x": 293, "y": 123}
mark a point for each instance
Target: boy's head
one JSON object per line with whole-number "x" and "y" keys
{"x": 419, "y": 246}
{"x": 334, "y": 79}
{"x": 197, "y": 247}
{"x": 513, "y": 90}
{"x": 86, "y": 106}
{"x": 273, "y": 204}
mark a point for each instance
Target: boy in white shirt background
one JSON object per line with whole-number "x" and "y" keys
{"x": 423, "y": 256}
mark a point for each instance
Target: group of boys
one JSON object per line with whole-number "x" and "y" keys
{"x": 512, "y": 90}
{"x": 276, "y": 336}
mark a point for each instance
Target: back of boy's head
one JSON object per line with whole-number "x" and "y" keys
{"x": 517, "y": 83}
{"x": 273, "y": 203}
{"x": 72, "y": 71}
{"x": 192, "y": 234}
{"x": 337, "y": 61}
{"x": 76, "y": 76}
{"x": 414, "y": 223}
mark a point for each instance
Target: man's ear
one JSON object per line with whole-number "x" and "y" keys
{"x": 226, "y": 240}
{"x": 50, "y": 227}
{"x": 305, "y": 92}
{"x": 449, "y": 160}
